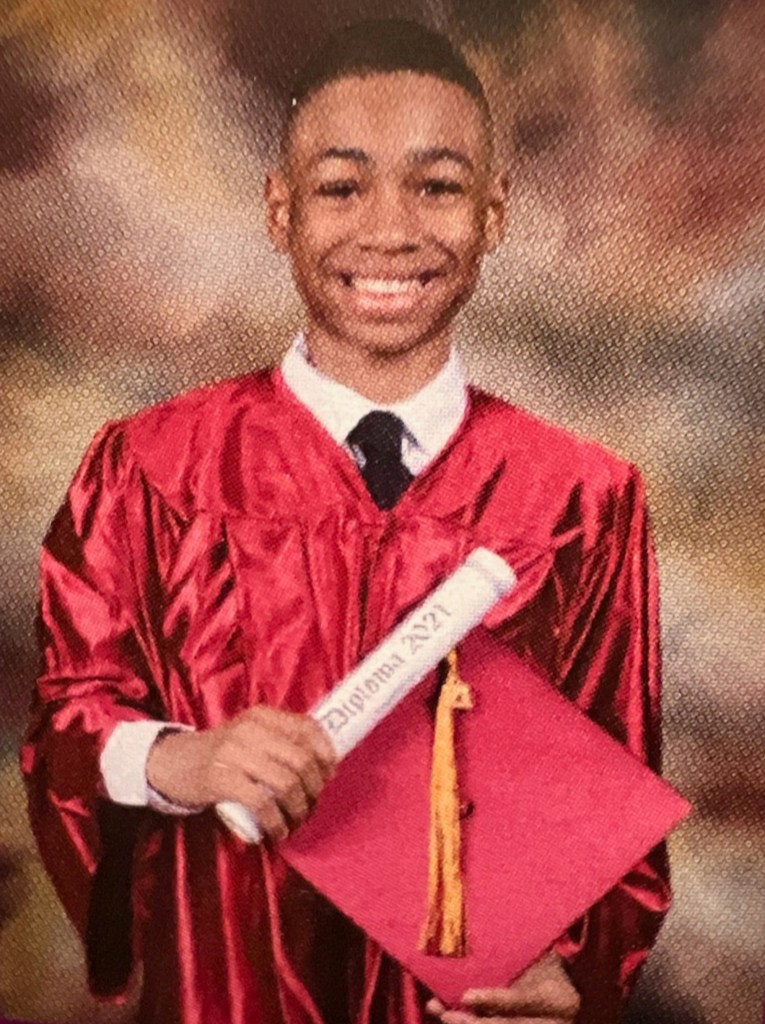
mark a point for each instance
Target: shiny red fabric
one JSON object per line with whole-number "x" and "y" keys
{"x": 220, "y": 550}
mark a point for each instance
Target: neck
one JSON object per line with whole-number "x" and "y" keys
{"x": 382, "y": 377}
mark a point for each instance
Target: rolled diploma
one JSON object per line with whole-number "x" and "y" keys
{"x": 399, "y": 663}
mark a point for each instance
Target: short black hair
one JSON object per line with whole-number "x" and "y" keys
{"x": 383, "y": 46}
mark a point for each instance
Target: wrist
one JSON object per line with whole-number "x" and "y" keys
{"x": 168, "y": 768}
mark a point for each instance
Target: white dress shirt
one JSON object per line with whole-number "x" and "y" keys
{"x": 430, "y": 418}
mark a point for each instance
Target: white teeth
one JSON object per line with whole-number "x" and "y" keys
{"x": 383, "y": 287}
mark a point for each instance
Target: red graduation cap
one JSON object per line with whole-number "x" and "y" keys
{"x": 544, "y": 786}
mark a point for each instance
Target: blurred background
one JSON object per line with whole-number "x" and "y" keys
{"x": 626, "y": 304}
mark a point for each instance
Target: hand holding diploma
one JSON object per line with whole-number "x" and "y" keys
{"x": 266, "y": 768}
{"x": 273, "y": 762}
{"x": 392, "y": 670}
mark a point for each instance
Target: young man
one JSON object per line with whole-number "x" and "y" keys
{"x": 226, "y": 557}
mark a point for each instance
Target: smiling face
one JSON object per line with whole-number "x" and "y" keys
{"x": 386, "y": 204}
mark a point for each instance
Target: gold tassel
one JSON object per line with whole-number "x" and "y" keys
{"x": 444, "y": 931}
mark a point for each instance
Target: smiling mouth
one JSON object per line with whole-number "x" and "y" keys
{"x": 388, "y": 285}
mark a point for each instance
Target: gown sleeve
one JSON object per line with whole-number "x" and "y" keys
{"x": 97, "y": 664}
{"x": 611, "y": 668}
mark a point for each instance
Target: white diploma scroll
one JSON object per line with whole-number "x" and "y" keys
{"x": 399, "y": 663}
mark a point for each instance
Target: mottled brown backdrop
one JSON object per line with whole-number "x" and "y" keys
{"x": 627, "y": 304}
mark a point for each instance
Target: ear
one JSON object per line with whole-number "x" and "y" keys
{"x": 277, "y": 198}
{"x": 495, "y": 218}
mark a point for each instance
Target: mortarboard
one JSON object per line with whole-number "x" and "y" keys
{"x": 554, "y": 813}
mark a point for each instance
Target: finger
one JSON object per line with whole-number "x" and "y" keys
{"x": 285, "y": 786}
{"x": 323, "y": 745}
{"x": 269, "y": 815}
{"x": 258, "y": 747}
{"x": 278, "y": 750}
{"x": 311, "y": 737}
{"x": 545, "y": 997}
{"x": 435, "y": 1006}
{"x": 238, "y": 765}
{"x": 463, "y": 1017}
{"x": 548, "y": 999}
{"x": 303, "y": 764}
{"x": 303, "y": 730}
{"x": 257, "y": 798}
{"x": 525, "y": 1020}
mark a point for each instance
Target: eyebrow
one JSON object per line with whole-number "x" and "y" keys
{"x": 341, "y": 153}
{"x": 429, "y": 155}
{"x": 433, "y": 154}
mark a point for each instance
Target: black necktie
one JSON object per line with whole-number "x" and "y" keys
{"x": 377, "y": 436}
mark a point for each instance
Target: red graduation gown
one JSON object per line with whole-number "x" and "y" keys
{"x": 220, "y": 550}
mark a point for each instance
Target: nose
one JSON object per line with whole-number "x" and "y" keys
{"x": 388, "y": 224}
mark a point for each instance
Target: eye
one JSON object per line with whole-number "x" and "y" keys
{"x": 442, "y": 187}
{"x": 340, "y": 189}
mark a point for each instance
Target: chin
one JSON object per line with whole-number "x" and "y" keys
{"x": 391, "y": 339}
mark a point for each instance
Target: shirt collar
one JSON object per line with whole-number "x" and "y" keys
{"x": 430, "y": 416}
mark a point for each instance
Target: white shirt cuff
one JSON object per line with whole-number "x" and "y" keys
{"x": 123, "y": 766}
